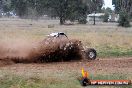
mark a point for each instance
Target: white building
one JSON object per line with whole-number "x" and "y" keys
{"x": 113, "y": 17}
{"x": 98, "y": 17}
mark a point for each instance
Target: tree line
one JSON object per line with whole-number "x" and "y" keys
{"x": 123, "y": 5}
{"x": 64, "y": 9}
{"x": 124, "y": 9}
{"x": 73, "y": 10}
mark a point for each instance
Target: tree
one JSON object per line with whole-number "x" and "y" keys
{"x": 123, "y": 5}
{"x": 106, "y": 17}
{"x": 124, "y": 9}
{"x": 82, "y": 9}
{"x": 124, "y": 19}
{"x": 6, "y": 5}
{"x": 107, "y": 12}
{"x": 64, "y": 9}
{"x": 97, "y": 5}
{"x": 69, "y": 10}
{"x": 0, "y": 8}
{"x": 20, "y": 7}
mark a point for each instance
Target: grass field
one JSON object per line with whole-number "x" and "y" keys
{"x": 108, "y": 39}
{"x": 54, "y": 79}
{"x": 59, "y": 75}
{"x": 50, "y": 82}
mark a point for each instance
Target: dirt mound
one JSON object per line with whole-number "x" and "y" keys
{"x": 50, "y": 49}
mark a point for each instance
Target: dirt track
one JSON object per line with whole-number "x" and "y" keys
{"x": 101, "y": 66}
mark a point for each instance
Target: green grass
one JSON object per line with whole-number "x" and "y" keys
{"x": 109, "y": 77}
{"x": 33, "y": 82}
{"x": 105, "y": 53}
{"x": 107, "y": 50}
{"x": 13, "y": 81}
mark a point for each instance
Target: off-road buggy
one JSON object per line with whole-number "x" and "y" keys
{"x": 55, "y": 47}
{"x": 70, "y": 47}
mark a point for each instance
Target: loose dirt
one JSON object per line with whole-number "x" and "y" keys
{"x": 51, "y": 49}
{"x": 101, "y": 66}
{"x": 23, "y": 51}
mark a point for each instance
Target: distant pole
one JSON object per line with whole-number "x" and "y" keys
{"x": 95, "y": 9}
{"x": 94, "y": 18}
{"x": 0, "y": 8}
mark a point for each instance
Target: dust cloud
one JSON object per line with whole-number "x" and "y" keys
{"x": 48, "y": 50}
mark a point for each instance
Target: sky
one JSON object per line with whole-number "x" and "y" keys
{"x": 108, "y": 3}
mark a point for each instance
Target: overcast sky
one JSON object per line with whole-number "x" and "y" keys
{"x": 108, "y": 3}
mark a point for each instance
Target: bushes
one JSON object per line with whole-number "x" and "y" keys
{"x": 124, "y": 19}
{"x": 106, "y": 17}
{"x": 82, "y": 19}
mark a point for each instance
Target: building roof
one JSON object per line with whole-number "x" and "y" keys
{"x": 97, "y": 14}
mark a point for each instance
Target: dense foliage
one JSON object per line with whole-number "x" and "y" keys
{"x": 106, "y": 17}
{"x": 124, "y": 8}
{"x": 123, "y": 5}
{"x": 124, "y": 19}
{"x": 64, "y": 9}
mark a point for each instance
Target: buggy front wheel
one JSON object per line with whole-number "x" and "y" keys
{"x": 91, "y": 54}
